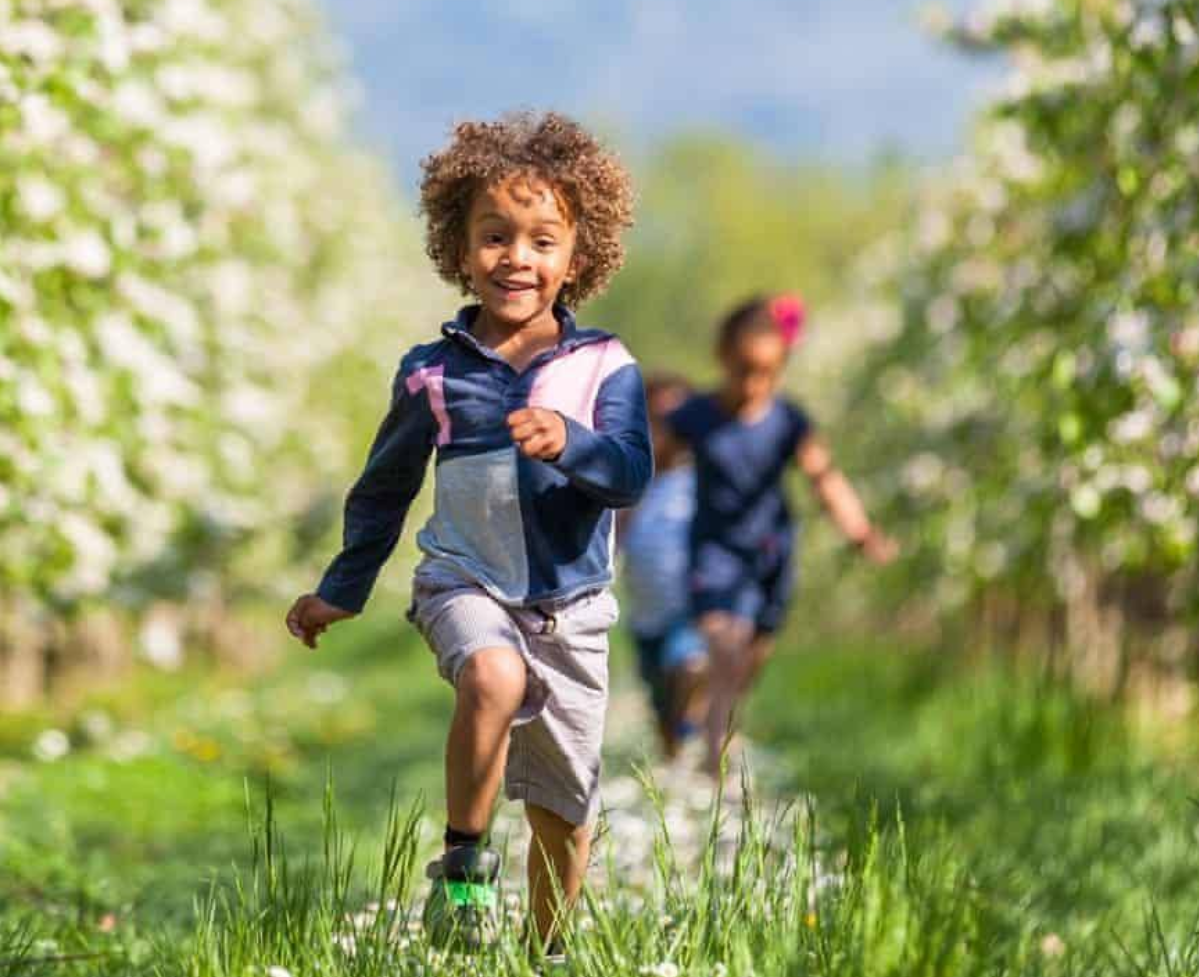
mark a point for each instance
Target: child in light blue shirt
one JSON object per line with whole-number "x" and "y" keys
{"x": 671, "y": 656}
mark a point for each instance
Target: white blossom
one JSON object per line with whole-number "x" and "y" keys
{"x": 42, "y": 122}
{"x": 40, "y": 199}
{"x": 138, "y": 104}
{"x": 33, "y": 399}
{"x": 32, "y": 39}
{"x": 87, "y": 253}
{"x": 94, "y": 555}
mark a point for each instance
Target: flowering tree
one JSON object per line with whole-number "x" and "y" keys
{"x": 193, "y": 265}
{"x": 1042, "y": 428}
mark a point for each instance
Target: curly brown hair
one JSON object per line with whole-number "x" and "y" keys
{"x": 592, "y": 182}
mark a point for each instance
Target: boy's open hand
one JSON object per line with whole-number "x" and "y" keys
{"x": 538, "y": 433}
{"x": 310, "y": 616}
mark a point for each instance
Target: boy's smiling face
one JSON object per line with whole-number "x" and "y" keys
{"x": 520, "y": 248}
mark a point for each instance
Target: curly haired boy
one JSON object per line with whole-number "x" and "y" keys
{"x": 539, "y": 430}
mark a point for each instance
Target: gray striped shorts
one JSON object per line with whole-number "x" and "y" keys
{"x": 554, "y": 751}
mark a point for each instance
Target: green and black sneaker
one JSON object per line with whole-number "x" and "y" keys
{"x": 462, "y": 911}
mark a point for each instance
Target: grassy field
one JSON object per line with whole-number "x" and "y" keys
{"x": 918, "y": 817}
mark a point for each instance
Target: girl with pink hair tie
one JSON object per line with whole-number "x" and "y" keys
{"x": 744, "y": 437}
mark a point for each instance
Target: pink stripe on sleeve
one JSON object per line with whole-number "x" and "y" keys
{"x": 432, "y": 379}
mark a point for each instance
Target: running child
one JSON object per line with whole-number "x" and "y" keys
{"x": 538, "y": 428}
{"x": 653, "y": 540}
{"x": 745, "y": 437}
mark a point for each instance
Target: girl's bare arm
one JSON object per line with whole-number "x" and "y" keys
{"x": 841, "y": 502}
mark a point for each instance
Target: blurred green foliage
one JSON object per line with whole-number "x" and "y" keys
{"x": 1040, "y": 426}
{"x": 719, "y": 221}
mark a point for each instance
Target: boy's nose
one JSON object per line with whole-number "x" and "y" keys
{"x": 518, "y": 254}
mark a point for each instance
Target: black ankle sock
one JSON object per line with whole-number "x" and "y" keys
{"x": 454, "y": 838}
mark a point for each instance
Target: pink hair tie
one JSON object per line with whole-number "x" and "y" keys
{"x": 787, "y": 311}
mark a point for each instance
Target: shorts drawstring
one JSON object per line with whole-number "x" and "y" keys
{"x": 549, "y": 621}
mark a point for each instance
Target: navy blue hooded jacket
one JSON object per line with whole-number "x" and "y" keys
{"x": 525, "y": 530}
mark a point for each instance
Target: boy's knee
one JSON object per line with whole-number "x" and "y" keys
{"x": 493, "y": 678}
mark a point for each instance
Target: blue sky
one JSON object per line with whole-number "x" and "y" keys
{"x": 831, "y": 79}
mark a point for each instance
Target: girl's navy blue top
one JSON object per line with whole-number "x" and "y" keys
{"x": 524, "y": 530}
{"x": 739, "y": 467}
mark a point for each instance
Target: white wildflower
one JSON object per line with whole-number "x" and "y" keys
{"x": 51, "y": 745}
{"x": 129, "y": 745}
{"x": 97, "y": 725}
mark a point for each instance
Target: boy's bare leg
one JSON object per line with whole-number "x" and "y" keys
{"x": 558, "y": 850}
{"x": 728, "y": 640}
{"x": 490, "y": 689}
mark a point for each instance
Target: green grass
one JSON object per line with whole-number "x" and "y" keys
{"x": 137, "y": 840}
{"x": 933, "y": 819}
{"x": 1075, "y": 835}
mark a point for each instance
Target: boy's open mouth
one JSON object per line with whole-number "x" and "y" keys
{"x": 514, "y": 288}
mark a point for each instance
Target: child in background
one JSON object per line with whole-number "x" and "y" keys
{"x": 744, "y": 438}
{"x": 539, "y": 431}
{"x": 654, "y": 540}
